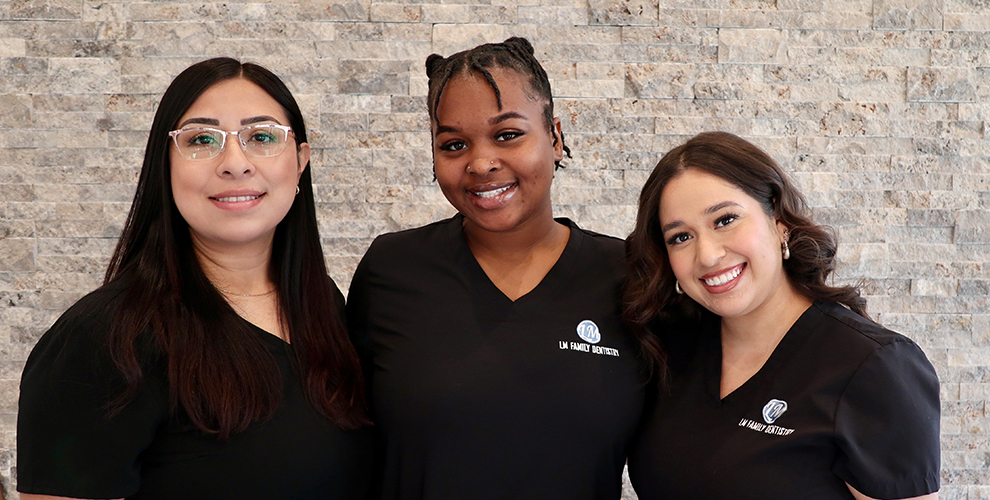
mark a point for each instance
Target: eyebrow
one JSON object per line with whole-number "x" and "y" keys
{"x": 491, "y": 121}
{"x": 216, "y": 123}
{"x": 710, "y": 210}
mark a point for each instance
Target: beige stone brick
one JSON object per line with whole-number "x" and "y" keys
{"x": 469, "y": 14}
{"x": 623, "y": 12}
{"x": 12, "y": 47}
{"x": 544, "y": 15}
{"x": 940, "y": 85}
{"x": 45, "y": 9}
{"x": 761, "y": 46}
{"x": 451, "y": 38}
{"x": 907, "y": 14}
{"x": 396, "y": 13}
{"x": 102, "y": 11}
{"x": 970, "y": 21}
{"x": 335, "y": 10}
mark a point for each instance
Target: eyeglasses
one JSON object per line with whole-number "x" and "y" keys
{"x": 205, "y": 143}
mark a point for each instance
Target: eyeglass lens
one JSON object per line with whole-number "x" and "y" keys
{"x": 205, "y": 143}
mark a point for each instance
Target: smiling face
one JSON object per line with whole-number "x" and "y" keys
{"x": 235, "y": 199}
{"x": 494, "y": 165}
{"x": 724, "y": 250}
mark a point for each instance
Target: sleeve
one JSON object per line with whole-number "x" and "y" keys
{"x": 357, "y": 317}
{"x": 887, "y": 425}
{"x": 67, "y": 443}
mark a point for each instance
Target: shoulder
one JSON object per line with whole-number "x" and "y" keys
{"x": 424, "y": 238}
{"x": 855, "y": 329}
{"x": 92, "y": 313}
{"x": 867, "y": 343}
{"x": 595, "y": 244}
{"x": 79, "y": 336}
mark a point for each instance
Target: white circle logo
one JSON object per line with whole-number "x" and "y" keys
{"x": 588, "y": 331}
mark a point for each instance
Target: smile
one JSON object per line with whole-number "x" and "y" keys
{"x": 492, "y": 193}
{"x": 235, "y": 199}
{"x": 724, "y": 278}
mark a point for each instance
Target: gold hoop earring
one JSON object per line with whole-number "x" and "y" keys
{"x": 677, "y": 288}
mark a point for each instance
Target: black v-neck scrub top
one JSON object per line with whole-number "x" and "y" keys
{"x": 68, "y": 446}
{"x": 840, "y": 400}
{"x": 479, "y": 397}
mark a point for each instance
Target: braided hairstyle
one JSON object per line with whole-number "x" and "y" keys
{"x": 515, "y": 54}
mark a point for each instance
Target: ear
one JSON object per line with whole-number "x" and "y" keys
{"x": 783, "y": 232}
{"x": 302, "y": 158}
{"x": 558, "y": 140}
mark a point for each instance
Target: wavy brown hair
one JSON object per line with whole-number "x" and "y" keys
{"x": 219, "y": 371}
{"x": 650, "y": 300}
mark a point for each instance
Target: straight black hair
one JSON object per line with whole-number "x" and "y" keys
{"x": 219, "y": 372}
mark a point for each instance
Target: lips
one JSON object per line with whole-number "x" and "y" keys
{"x": 492, "y": 195}
{"x": 237, "y": 200}
{"x": 723, "y": 280}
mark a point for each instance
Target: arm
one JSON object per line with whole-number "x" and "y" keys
{"x": 67, "y": 442}
{"x": 887, "y": 425}
{"x": 860, "y": 496}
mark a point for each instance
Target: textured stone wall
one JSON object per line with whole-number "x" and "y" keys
{"x": 878, "y": 107}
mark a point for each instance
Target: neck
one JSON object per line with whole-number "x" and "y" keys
{"x": 238, "y": 270}
{"x": 764, "y": 327}
{"x": 518, "y": 243}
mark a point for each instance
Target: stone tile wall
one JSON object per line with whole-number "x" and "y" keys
{"x": 879, "y": 108}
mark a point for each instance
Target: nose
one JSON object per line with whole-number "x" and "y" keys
{"x": 234, "y": 162}
{"x": 710, "y": 250}
{"x": 483, "y": 165}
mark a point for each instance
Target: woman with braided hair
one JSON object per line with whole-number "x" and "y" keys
{"x": 498, "y": 363}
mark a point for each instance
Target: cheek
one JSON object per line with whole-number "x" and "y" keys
{"x": 680, "y": 265}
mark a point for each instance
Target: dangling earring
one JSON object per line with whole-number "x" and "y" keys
{"x": 677, "y": 287}
{"x": 786, "y": 250}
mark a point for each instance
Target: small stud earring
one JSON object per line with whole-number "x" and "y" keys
{"x": 677, "y": 287}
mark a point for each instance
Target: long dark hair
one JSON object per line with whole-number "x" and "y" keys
{"x": 650, "y": 298}
{"x": 219, "y": 372}
{"x": 514, "y": 53}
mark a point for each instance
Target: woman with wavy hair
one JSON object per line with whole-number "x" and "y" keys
{"x": 778, "y": 384}
{"x": 214, "y": 361}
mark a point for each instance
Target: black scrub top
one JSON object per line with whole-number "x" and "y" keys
{"x": 840, "y": 400}
{"x": 479, "y": 397}
{"x": 68, "y": 446}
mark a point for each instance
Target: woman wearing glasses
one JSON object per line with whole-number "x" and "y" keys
{"x": 214, "y": 361}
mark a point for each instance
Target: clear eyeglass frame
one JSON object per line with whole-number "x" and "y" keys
{"x": 252, "y": 143}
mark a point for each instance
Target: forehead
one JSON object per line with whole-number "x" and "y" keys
{"x": 512, "y": 85}
{"x": 692, "y": 192}
{"x": 235, "y": 99}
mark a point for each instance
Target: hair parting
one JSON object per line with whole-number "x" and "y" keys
{"x": 219, "y": 371}
{"x": 515, "y": 54}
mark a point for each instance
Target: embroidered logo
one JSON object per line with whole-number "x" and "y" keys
{"x": 773, "y": 410}
{"x": 588, "y": 331}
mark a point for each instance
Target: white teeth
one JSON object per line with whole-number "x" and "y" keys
{"x": 491, "y": 194}
{"x": 234, "y": 199}
{"x": 724, "y": 278}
